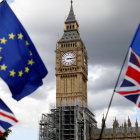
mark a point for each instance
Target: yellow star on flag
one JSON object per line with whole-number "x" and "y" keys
{"x": 20, "y": 73}
{"x": 3, "y": 67}
{"x": 3, "y": 40}
{"x": 27, "y": 69}
{"x": 31, "y": 53}
{"x": 20, "y": 36}
{"x": 11, "y": 36}
{"x": 30, "y": 62}
{"x": 27, "y": 43}
{"x": 12, "y": 73}
{"x": 0, "y": 49}
{"x": 0, "y": 58}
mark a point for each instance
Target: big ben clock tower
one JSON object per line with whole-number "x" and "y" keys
{"x": 71, "y": 119}
{"x": 71, "y": 65}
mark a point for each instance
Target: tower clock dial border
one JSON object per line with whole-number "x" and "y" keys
{"x": 68, "y": 58}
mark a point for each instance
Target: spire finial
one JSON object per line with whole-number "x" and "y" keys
{"x": 71, "y": 2}
{"x": 103, "y": 117}
{"x": 58, "y": 37}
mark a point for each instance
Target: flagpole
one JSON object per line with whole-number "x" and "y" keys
{"x": 113, "y": 95}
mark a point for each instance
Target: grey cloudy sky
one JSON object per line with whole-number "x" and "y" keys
{"x": 106, "y": 26}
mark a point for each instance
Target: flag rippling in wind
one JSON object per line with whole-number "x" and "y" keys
{"x": 7, "y": 118}
{"x": 130, "y": 87}
{"x": 20, "y": 64}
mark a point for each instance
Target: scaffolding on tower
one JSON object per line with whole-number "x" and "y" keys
{"x": 64, "y": 123}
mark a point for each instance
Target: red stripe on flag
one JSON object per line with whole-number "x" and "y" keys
{"x": 1, "y": 133}
{"x": 12, "y": 118}
{"x": 133, "y": 73}
{"x": 139, "y": 105}
{"x": 128, "y": 92}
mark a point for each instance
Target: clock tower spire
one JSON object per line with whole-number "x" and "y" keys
{"x": 71, "y": 65}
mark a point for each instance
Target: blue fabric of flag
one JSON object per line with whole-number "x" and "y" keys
{"x": 133, "y": 60}
{"x": 3, "y": 106}
{"x": 126, "y": 83}
{"x": 5, "y": 125}
{"x": 20, "y": 64}
{"x": 135, "y": 45}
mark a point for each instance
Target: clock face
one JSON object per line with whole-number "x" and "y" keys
{"x": 68, "y": 58}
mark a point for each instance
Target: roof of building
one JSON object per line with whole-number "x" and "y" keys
{"x": 71, "y": 16}
{"x": 118, "y": 130}
{"x": 70, "y": 36}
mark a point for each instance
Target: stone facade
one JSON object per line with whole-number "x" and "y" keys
{"x": 125, "y": 131}
{"x": 71, "y": 65}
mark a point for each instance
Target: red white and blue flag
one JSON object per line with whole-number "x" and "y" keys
{"x": 7, "y": 118}
{"x": 130, "y": 87}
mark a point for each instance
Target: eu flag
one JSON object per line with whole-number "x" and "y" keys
{"x": 20, "y": 65}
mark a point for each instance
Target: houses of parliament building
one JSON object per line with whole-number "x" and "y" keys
{"x": 71, "y": 119}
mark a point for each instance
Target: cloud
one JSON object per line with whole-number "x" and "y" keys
{"x": 109, "y": 36}
{"x": 120, "y": 114}
{"x": 101, "y": 84}
{"x": 9, "y": 1}
{"x": 102, "y": 78}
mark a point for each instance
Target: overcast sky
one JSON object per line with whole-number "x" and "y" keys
{"x": 106, "y": 26}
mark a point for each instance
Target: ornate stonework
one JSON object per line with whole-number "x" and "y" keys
{"x": 71, "y": 66}
{"x": 126, "y": 131}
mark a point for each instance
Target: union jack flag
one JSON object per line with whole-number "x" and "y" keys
{"x": 7, "y": 118}
{"x": 130, "y": 87}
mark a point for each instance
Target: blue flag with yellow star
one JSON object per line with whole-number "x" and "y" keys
{"x": 20, "y": 65}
